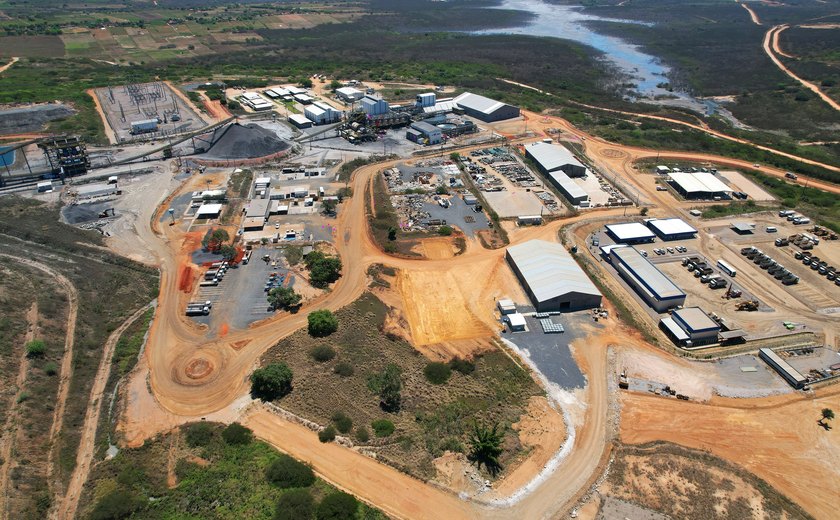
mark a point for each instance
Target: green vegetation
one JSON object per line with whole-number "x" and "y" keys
{"x": 383, "y": 427}
{"x": 437, "y": 373}
{"x": 322, "y": 323}
{"x": 388, "y": 384}
{"x": 342, "y": 423}
{"x": 214, "y": 240}
{"x": 217, "y": 481}
{"x": 293, "y": 254}
{"x": 462, "y": 365}
{"x": 486, "y": 446}
{"x": 343, "y": 369}
{"x": 236, "y": 434}
{"x": 445, "y": 231}
{"x": 323, "y": 269}
{"x": 283, "y": 298}
{"x": 362, "y": 434}
{"x": 199, "y": 434}
{"x": 129, "y": 345}
{"x": 338, "y": 506}
{"x": 347, "y": 169}
{"x": 286, "y": 472}
{"x": 271, "y": 382}
{"x": 733, "y": 208}
{"x": 327, "y": 434}
{"x": 322, "y": 353}
{"x": 51, "y": 368}
{"x": 36, "y": 349}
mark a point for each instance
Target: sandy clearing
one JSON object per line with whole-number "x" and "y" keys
{"x": 782, "y": 444}
{"x": 436, "y": 248}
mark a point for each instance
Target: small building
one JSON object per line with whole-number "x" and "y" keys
{"x": 300, "y": 121}
{"x": 646, "y": 279}
{"x": 424, "y": 133}
{"x": 321, "y": 113}
{"x": 553, "y": 157}
{"x": 208, "y": 211}
{"x": 262, "y": 182}
{"x": 349, "y": 94}
{"x": 516, "y": 322}
{"x": 672, "y": 229}
{"x": 374, "y": 106}
{"x": 304, "y": 99}
{"x": 470, "y": 200}
{"x": 88, "y": 191}
{"x": 485, "y": 109}
{"x": 663, "y": 170}
{"x": 630, "y": 233}
{"x": 551, "y": 277}
{"x": 258, "y": 208}
{"x": 255, "y": 102}
{"x": 253, "y": 224}
{"x": 790, "y": 374}
{"x": 700, "y": 185}
{"x": 691, "y": 327}
{"x": 144, "y": 127}
{"x": 576, "y": 195}
{"x": 506, "y": 306}
{"x": 427, "y": 99}
{"x": 45, "y": 187}
{"x": 743, "y": 228}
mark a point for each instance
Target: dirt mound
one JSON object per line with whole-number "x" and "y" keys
{"x": 20, "y": 120}
{"x": 245, "y": 142}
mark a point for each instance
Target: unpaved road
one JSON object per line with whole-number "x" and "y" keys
{"x": 753, "y": 15}
{"x": 66, "y": 508}
{"x": 773, "y": 35}
{"x": 109, "y": 132}
{"x": 5, "y": 67}
{"x": 66, "y": 373}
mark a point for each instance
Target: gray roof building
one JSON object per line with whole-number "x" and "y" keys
{"x": 485, "y": 109}
{"x": 649, "y": 282}
{"x": 552, "y": 157}
{"x": 552, "y": 278}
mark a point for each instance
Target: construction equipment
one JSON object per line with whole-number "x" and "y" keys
{"x": 732, "y": 292}
{"x": 104, "y": 214}
{"x": 749, "y": 306}
{"x": 622, "y": 381}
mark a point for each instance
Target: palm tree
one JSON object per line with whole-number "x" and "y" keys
{"x": 827, "y": 415}
{"x": 486, "y": 446}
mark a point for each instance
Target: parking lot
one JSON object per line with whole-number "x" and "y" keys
{"x": 459, "y": 214}
{"x": 240, "y": 296}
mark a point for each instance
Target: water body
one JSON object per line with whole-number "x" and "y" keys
{"x": 569, "y": 22}
{"x": 7, "y": 156}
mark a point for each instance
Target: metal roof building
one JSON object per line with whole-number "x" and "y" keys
{"x": 630, "y": 233}
{"x": 672, "y": 228}
{"x": 699, "y": 185}
{"x": 258, "y": 208}
{"x": 349, "y": 94}
{"x": 691, "y": 326}
{"x": 569, "y": 188}
{"x": 485, "y": 109}
{"x": 300, "y": 120}
{"x": 209, "y": 211}
{"x": 551, "y": 277}
{"x": 551, "y": 157}
{"x": 791, "y": 375}
{"x": 649, "y": 282}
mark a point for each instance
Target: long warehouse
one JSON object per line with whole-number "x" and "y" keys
{"x": 551, "y": 277}
{"x": 791, "y": 375}
{"x": 485, "y": 109}
{"x": 551, "y": 158}
{"x": 701, "y": 185}
{"x": 649, "y": 282}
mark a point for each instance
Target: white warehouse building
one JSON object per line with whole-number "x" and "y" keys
{"x": 321, "y": 113}
{"x": 374, "y": 106}
{"x": 551, "y": 277}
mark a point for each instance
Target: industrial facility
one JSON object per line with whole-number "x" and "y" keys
{"x": 255, "y": 102}
{"x": 699, "y": 185}
{"x": 649, "y": 282}
{"x": 424, "y": 133}
{"x": 552, "y": 157}
{"x": 630, "y": 233}
{"x": 320, "y": 113}
{"x": 551, "y": 277}
{"x": 672, "y": 229}
{"x": 485, "y": 109}
{"x": 690, "y": 326}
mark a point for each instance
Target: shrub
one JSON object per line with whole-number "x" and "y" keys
{"x": 322, "y": 323}
{"x": 362, "y": 434}
{"x": 451, "y": 444}
{"x": 388, "y": 385}
{"x": 286, "y": 472}
{"x": 462, "y": 365}
{"x": 36, "y": 349}
{"x": 338, "y": 506}
{"x": 437, "y": 373}
{"x": 199, "y": 434}
{"x": 444, "y": 231}
{"x": 236, "y": 434}
{"x": 51, "y": 369}
{"x": 327, "y": 434}
{"x": 343, "y": 369}
{"x": 271, "y": 382}
{"x": 296, "y": 504}
{"x": 343, "y": 423}
{"x": 382, "y": 427}
{"x": 115, "y": 505}
{"x": 322, "y": 353}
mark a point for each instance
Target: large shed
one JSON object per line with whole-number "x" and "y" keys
{"x": 552, "y": 157}
{"x": 700, "y": 185}
{"x": 672, "y": 228}
{"x": 630, "y": 233}
{"x": 551, "y": 277}
{"x": 649, "y": 282}
{"x": 690, "y": 326}
{"x": 485, "y": 109}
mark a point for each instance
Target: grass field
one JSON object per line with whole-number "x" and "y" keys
{"x": 432, "y": 417}
{"x": 212, "y": 480}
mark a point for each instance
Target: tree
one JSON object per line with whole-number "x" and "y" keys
{"x": 329, "y": 206}
{"x": 343, "y": 369}
{"x": 199, "y": 434}
{"x": 338, "y": 506}
{"x": 445, "y": 231}
{"x": 827, "y": 415}
{"x": 36, "y": 349}
{"x": 327, "y": 434}
{"x": 462, "y": 365}
{"x": 322, "y": 353}
{"x": 437, "y": 373}
{"x": 342, "y": 422}
{"x": 214, "y": 239}
{"x": 392, "y": 234}
{"x": 486, "y": 446}
{"x": 335, "y": 85}
{"x": 344, "y": 193}
{"x": 305, "y": 83}
{"x": 324, "y": 271}
{"x": 237, "y": 435}
{"x": 441, "y": 190}
{"x": 117, "y": 504}
{"x": 322, "y": 323}
{"x": 271, "y": 382}
{"x": 286, "y": 472}
{"x": 296, "y": 504}
{"x": 283, "y": 298}
{"x": 643, "y": 211}
{"x": 388, "y": 385}
{"x": 454, "y": 156}
{"x": 383, "y": 427}
{"x": 228, "y": 252}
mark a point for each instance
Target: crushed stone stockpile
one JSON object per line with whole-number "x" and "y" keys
{"x": 21, "y": 120}
{"x": 245, "y": 142}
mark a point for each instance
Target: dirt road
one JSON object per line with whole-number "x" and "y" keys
{"x": 10, "y": 431}
{"x": 5, "y": 67}
{"x": 773, "y": 35}
{"x": 775, "y": 44}
{"x": 109, "y": 132}
{"x": 66, "y": 508}
{"x": 753, "y": 15}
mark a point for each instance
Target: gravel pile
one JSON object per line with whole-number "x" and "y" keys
{"x": 31, "y": 119}
{"x": 245, "y": 142}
